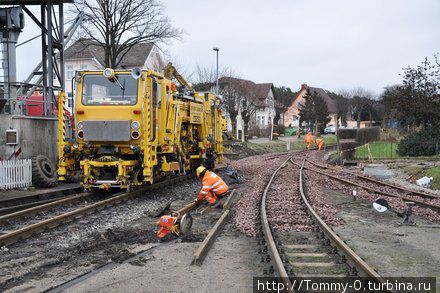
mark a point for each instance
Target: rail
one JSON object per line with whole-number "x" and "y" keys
{"x": 281, "y": 269}
{"x": 27, "y": 231}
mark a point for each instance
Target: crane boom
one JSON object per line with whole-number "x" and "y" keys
{"x": 171, "y": 72}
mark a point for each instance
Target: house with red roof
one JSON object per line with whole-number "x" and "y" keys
{"x": 291, "y": 115}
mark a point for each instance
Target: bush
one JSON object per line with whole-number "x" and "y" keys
{"x": 422, "y": 143}
{"x": 390, "y": 135}
{"x": 347, "y": 133}
{"x": 290, "y": 131}
{"x": 366, "y": 135}
{"x": 348, "y": 149}
{"x": 280, "y": 128}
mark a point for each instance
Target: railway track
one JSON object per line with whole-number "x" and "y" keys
{"x": 378, "y": 182}
{"x": 13, "y": 204}
{"x": 27, "y": 230}
{"x": 316, "y": 251}
{"x": 378, "y": 187}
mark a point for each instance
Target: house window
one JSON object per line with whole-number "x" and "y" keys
{"x": 263, "y": 122}
{"x": 69, "y": 100}
{"x": 69, "y": 72}
{"x": 258, "y": 120}
{"x": 83, "y": 67}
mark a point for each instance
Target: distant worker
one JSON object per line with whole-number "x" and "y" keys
{"x": 213, "y": 187}
{"x": 309, "y": 139}
{"x": 319, "y": 142}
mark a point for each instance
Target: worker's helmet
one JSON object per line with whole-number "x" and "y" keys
{"x": 200, "y": 170}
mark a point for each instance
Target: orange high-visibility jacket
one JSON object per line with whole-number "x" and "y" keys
{"x": 309, "y": 138}
{"x": 320, "y": 143}
{"x": 212, "y": 185}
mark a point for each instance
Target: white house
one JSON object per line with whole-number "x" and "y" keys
{"x": 85, "y": 54}
{"x": 261, "y": 95}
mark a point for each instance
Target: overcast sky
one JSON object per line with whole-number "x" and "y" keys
{"x": 329, "y": 44}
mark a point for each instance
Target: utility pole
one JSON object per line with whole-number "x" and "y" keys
{"x": 216, "y": 49}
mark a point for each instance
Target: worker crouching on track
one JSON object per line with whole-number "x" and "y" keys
{"x": 213, "y": 187}
{"x": 319, "y": 142}
{"x": 309, "y": 140}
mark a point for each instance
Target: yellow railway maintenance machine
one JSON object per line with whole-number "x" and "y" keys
{"x": 135, "y": 127}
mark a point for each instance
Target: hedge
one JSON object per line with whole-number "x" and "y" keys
{"x": 426, "y": 142}
{"x": 366, "y": 135}
{"x": 346, "y": 133}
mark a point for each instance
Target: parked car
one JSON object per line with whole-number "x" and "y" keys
{"x": 330, "y": 129}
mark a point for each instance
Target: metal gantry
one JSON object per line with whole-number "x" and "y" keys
{"x": 48, "y": 76}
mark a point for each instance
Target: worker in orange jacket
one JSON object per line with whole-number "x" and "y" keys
{"x": 319, "y": 142}
{"x": 213, "y": 187}
{"x": 309, "y": 139}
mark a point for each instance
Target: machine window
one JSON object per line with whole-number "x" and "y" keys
{"x": 99, "y": 90}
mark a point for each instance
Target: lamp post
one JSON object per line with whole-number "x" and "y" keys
{"x": 216, "y": 49}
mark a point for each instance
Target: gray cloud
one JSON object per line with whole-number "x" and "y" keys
{"x": 332, "y": 44}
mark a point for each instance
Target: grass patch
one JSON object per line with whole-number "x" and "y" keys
{"x": 379, "y": 150}
{"x": 418, "y": 172}
{"x": 275, "y": 146}
{"x": 386, "y": 150}
{"x": 434, "y": 172}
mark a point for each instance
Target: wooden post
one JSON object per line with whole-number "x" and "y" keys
{"x": 336, "y": 132}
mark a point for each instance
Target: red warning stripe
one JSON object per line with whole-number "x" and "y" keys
{"x": 16, "y": 153}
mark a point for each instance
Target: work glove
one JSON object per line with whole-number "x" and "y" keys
{"x": 197, "y": 203}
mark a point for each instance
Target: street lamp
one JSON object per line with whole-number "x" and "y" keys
{"x": 216, "y": 49}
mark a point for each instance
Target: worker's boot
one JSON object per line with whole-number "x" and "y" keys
{"x": 218, "y": 205}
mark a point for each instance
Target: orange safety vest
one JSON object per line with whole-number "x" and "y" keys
{"x": 320, "y": 143}
{"x": 212, "y": 185}
{"x": 309, "y": 138}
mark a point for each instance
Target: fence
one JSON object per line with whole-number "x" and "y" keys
{"x": 15, "y": 174}
{"x": 388, "y": 150}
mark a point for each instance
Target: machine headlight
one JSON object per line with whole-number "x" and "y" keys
{"x": 80, "y": 125}
{"x": 109, "y": 73}
{"x": 135, "y": 125}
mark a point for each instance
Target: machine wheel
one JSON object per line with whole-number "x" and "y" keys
{"x": 43, "y": 172}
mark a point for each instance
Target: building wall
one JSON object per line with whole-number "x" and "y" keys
{"x": 264, "y": 116}
{"x": 36, "y": 135}
{"x": 291, "y": 115}
{"x": 155, "y": 60}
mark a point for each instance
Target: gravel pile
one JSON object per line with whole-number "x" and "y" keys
{"x": 257, "y": 171}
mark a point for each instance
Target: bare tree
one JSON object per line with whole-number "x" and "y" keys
{"x": 230, "y": 103}
{"x": 361, "y": 101}
{"x": 248, "y": 103}
{"x": 118, "y": 25}
{"x": 204, "y": 78}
